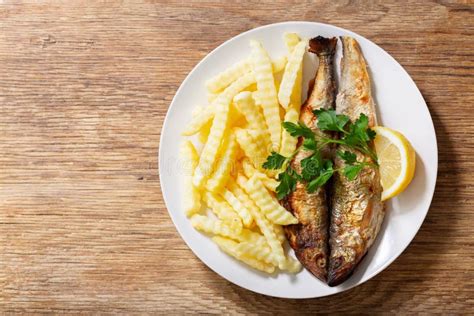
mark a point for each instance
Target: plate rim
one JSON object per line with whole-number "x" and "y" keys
{"x": 208, "y": 55}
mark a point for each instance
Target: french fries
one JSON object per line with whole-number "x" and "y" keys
{"x": 291, "y": 40}
{"x": 279, "y": 64}
{"x": 209, "y": 152}
{"x": 262, "y": 69}
{"x": 230, "y": 247}
{"x": 250, "y": 170}
{"x": 291, "y": 73}
{"x": 273, "y": 211}
{"x": 225, "y": 78}
{"x": 265, "y": 254}
{"x": 246, "y": 105}
{"x": 228, "y": 194}
{"x": 250, "y": 147}
{"x": 291, "y": 265}
{"x": 212, "y": 96}
{"x": 280, "y": 234}
{"x": 265, "y": 226}
{"x": 192, "y": 196}
{"x": 288, "y": 142}
{"x": 260, "y": 140}
{"x": 241, "y": 209}
{"x": 248, "y": 235}
{"x": 208, "y": 225}
{"x": 262, "y": 253}
{"x": 204, "y": 132}
{"x": 224, "y": 166}
{"x": 220, "y": 207}
{"x": 199, "y": 120}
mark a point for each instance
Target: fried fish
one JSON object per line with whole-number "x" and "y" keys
{"x": 357, "y": 211}
{"x": 309, "y": 238}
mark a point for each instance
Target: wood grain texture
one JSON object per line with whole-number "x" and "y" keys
{"x": 84, "y": 88}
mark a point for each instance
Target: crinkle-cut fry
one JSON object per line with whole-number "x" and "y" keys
{"x": 251, "y": 88}
{"x": 249, "y": 171}
{"x": 264, "y": 200}
{"x": 211, "y": 97}
{"x": 248, "y": 168}
{"x": 220, "y": 207}
{"x": 272, "y": 174}
{"x": 240, "y": 156}
{"x": 269, "y": 183}
{"x": 199, "y": 120}
{"x": 288, "y": 142}
{"x": 229, "y": 247}
{"x": 192, "y": 196}
{"x": 251, "y": 236}
{"x": 224, "y": 165}
{"x": 205, "y": 129}
{"x": 265, "y": 226}
{"x": 295, "y": 99}
{"x": 279, "y": 232}
{"x": 291, "y": 40}
{"x": 291, "y": 73}
{"x": 225, "y": 78}
{"x": 265, "y": 254}
{"x": 189, "y": 157}
{"x": 219, "y": 125}
{"x": 258, "y": 101}
{"x": 247, "y": 106}
{"x": 279, "y": 64}
{"x": 291, "y": 265}
{"x": 262, "y": 253}
{"x": 260, "y": 140}
{"x": 240, "y": 122}
{"x": 203, "y": 134}
{"x": 262, "y": 69}
{"x": 249, "y": 146}
{"x": 219, "y": 82}
{"x": 236, "y": 118}
{"x": 231, "y": 228}
{"x": 277, "y": 85}
{"x": 209, "y": 225}
{"x": 263, "y": 130}
{"x": 238, "y": 206}
{"x": 202, "y": 117}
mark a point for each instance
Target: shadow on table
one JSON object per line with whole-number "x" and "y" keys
{"x": 403, "y": 277}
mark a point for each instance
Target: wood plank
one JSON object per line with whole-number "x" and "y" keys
{"x": 84, "y": 88}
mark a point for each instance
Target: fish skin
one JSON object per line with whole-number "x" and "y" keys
{"x": 309, "y": 238}
{"x": 357, "y": 211}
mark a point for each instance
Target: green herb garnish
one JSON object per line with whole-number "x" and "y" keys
{"x": 328, "y": 120}
{"x": 299, "y": 129}
{"x": 274, "y": 161}
{"x": 288, "y": 179}
{"x": 316, "y": 171}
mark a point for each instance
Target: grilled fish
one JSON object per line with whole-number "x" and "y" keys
{"x": 357, "y": 211}
{"x": 309, "y": 238}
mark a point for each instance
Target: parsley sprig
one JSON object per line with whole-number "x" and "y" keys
{"x": 315, "y": 170}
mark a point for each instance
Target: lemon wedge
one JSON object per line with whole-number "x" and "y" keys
{"x": 396, "y": 157}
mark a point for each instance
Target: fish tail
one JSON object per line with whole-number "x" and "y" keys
{"x": 322, "y": 45}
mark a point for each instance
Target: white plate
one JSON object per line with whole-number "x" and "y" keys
{"x": 400, "y": 106}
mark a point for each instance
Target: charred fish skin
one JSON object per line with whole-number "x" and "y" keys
{"x": 309, "y": 238}
{"x": 357, "y": 210}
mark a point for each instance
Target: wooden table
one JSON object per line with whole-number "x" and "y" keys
{"x": 84, "y": 88}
